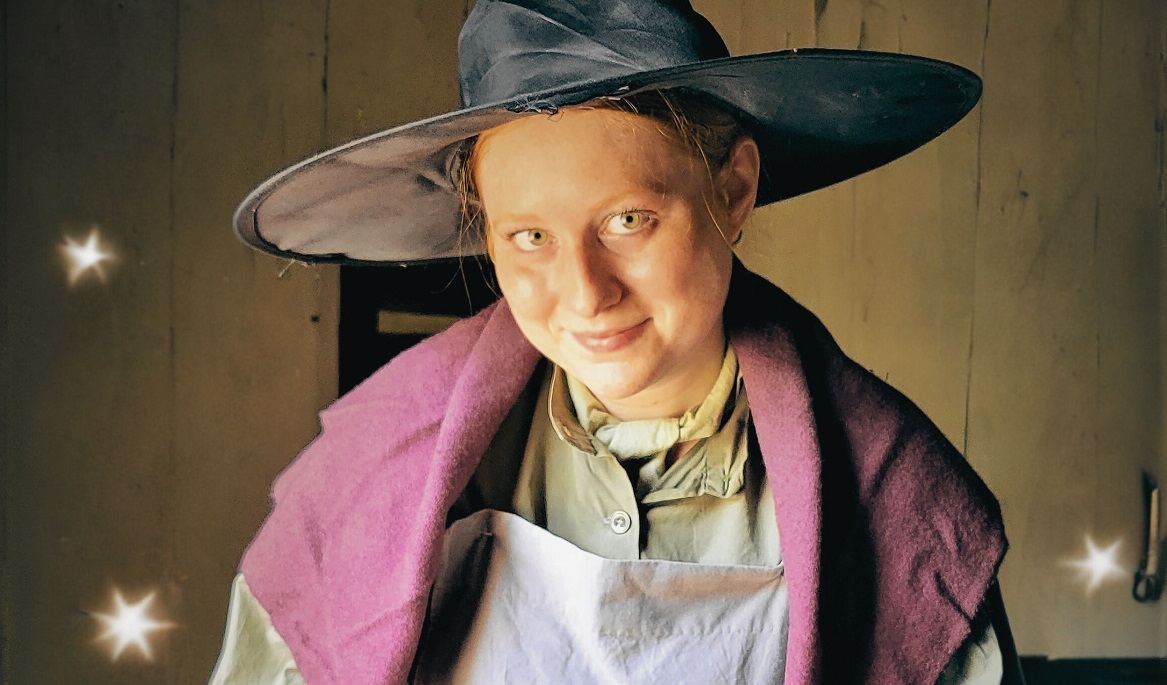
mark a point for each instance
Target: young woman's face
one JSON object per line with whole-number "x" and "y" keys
{"x": 612, "y": 247}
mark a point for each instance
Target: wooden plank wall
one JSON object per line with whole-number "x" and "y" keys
{"x": 91, "y": 400}
{"x": 1008, "y": 277}
{"x": 154, "y": 409}
{"x": 1163, "y": 286}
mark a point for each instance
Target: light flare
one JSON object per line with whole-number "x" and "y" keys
{"x": 82, "y": 259}
{"x": 129, "y": 625}
{"x": 1099, "y": 565}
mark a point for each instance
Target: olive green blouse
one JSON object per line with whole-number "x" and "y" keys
{"x": 607, "y": 486}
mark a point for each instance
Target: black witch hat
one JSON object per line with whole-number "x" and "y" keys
{"x": 818, "y": 116}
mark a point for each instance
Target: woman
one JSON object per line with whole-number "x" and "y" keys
{"x": 645, "y": 463}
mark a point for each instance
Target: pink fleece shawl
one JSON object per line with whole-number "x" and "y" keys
{"x": 890, "y": 540}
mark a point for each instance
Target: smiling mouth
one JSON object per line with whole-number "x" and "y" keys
{"x": 612, "y": 340}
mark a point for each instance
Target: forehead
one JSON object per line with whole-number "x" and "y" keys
{"x": 578, "y": 153}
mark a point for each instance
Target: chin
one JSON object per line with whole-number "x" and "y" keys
{"x": 612, "y": 381}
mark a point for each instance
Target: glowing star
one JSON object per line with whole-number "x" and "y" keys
{"x": 129, "y": 625}
{"x": 84, "y": 258}
{"x": 1099, "y": 565}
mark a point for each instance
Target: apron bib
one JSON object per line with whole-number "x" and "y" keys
{"x": 517, "y": 604}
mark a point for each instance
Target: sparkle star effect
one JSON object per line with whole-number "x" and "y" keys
{"x": 130, "y": 625}
{"x": 82, "y": 259}
{"x": 1099, "y": 565}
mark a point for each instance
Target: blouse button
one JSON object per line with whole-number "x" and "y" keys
{"x": 620, "y": 522}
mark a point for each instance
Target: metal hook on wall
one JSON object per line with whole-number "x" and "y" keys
{"x": 1149, "y": 578}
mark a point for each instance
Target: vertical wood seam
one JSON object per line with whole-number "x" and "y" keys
{"x": 820, "y": 8}
{"x": 1161, "y": 124}
{"x": 855, "y": 295}
{"x": 171, "y": 558}
{"x": 900, "y": 29}
{"x": 972, "y": 317}
{"x": 1096, "y": 286}
{"x": 324, "y": 137}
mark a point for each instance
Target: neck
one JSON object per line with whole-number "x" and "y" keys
{"x": 674, "y": 395}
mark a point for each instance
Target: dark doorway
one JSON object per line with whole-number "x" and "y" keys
{"x": 384, "y": 310}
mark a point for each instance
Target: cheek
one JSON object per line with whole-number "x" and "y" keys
{"x": 688, "y": 267}
{"x": 694, "y": 281}
{"x": 525, "y": 292}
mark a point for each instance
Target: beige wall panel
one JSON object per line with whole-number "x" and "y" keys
{"x": 803, "y": 244}
{"x": 254, "y": 352}
{"x": 1129, "y": 306}
{"x": 1033, "y": 396}
{"x": 936, "y": 257}
{"x": 753, "y": 26}
{"x": 914, "y": 228}
{"x": 951, "y": 31}
{"x": 1162, "y": 147}
{"x": 838, "y": 24}
{"x": 391, "y": 63}
{"x": 259, "y": 351}
{"x": 782, "y": 239}
{"x": 884, "y": 260}
{"x": 913, "y": 282}
{"x": 90, "y": 413}
{"x": 777, "y": 25}
{"x": 727, "y": 17}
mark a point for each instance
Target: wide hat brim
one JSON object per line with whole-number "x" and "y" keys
{"x": 818, "y": 116}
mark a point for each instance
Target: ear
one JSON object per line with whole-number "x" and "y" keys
{"x": 737, "y": 185}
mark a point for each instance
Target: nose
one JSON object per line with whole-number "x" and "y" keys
{"x": 588, "y": 281}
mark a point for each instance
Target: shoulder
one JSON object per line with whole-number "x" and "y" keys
{"x": 910, "y": 525}
{"x": 874, "y": 421}
{"x": 402, "y": 403}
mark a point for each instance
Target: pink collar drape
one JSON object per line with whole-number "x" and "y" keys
{"x": 889, "y": 539}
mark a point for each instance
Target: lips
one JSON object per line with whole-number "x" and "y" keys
{"x": 610, "y": 340}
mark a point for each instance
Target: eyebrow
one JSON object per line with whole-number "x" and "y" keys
{"x": 657, "y": 185}
{"x": 654, "y": 182}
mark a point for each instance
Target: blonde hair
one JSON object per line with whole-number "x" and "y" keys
{"x": 690, "y": 118}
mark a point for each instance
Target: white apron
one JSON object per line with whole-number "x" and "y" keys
{"x": 516, "y": 604}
